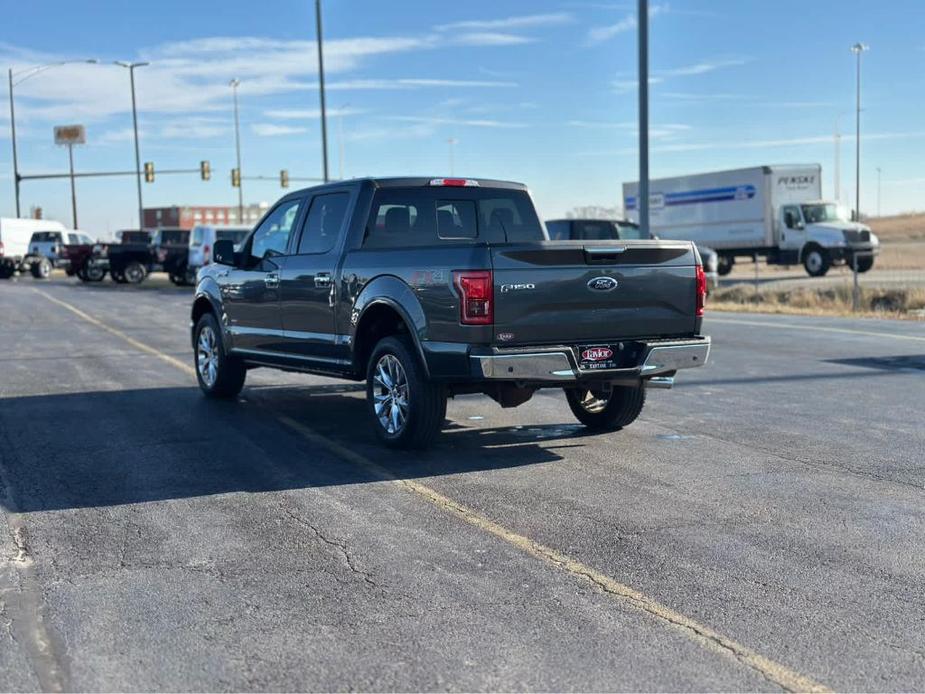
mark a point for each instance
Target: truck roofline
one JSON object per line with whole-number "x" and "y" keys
{"x": 407, "y": 182}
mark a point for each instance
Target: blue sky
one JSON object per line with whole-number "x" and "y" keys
{"x": 540, "y": 91}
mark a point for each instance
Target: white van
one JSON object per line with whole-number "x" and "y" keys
{"x": 15, "y": 236}
{"x": 202, "y": 241}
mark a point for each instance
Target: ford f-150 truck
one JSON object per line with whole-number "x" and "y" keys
{"x": 430, "y": 288}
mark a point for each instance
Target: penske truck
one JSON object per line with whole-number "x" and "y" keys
{"x": 771, "y": 212}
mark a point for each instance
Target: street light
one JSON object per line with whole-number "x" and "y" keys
{"x": 131, "y": 73}
{"x": 642, "y": 199}
{"x": 237, "y": 146}
{"x": 23, "y": 75}
{"x": 324, "y": 119}
{"x": 858, "y": 49}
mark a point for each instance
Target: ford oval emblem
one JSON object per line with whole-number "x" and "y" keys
{"x": 602, "y": 284}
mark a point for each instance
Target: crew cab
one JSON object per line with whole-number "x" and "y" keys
{"x": 430, "y": 288}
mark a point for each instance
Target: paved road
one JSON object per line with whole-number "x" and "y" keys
{"x": 760, "y": 528}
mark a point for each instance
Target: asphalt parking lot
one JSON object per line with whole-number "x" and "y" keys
{"x": 759, "y": 528}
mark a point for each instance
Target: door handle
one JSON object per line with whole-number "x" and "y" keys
{"x": 271, "y": 280}
{"x": 322, "y": 280}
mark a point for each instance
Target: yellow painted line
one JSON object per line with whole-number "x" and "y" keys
{"x": 173, "y": 361}
{"x": 817, "y": 328}
{"x": 701, "y": 634}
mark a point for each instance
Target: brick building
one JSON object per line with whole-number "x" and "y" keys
{"x": 188, "y": 216}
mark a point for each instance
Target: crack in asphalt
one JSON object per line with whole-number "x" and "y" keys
{"x": 339, "y": 544}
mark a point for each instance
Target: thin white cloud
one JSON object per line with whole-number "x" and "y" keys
{"x": 491, "y": 38}
{"x": 303, "y": 113}
{"x": 518, "y": 22}
{"x": 702, "y": 67}
{"x": 469, "y": 122}
{"x": 275, "y": 129}
{"x": 599, "y": 34}
{"x": 415, "y": 83}
{"x": 626, "y": 86}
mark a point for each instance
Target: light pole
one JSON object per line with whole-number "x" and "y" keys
{"x": 131, "y": 73}
{"x": 23, "y": 75}
{"x": 324, "y": 119}
{"x": 642, "y": 202}
{"x": 858, "y": 49}
{"x": 237, "y": 146}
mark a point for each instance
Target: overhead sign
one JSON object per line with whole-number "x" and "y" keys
{"x": 70, "y": 135}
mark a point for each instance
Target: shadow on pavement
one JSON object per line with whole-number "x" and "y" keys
{"x": 107, "y": 448}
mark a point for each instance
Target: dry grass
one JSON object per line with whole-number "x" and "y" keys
{"x": 882, "y": 303}
{"x": 895, "y": 255}
{"x": 902, "y": 227}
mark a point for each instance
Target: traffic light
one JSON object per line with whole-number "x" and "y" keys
{"x": 236, "y": 178}
{"x": 149, "y": 172}
{"x": 205, "y": 170}
{"x": 284, "y": 178}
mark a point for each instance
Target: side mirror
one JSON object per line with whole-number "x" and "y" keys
{"x": 223, "y": 252}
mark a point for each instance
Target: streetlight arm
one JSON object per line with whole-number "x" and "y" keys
{"x": 36, "y": 69}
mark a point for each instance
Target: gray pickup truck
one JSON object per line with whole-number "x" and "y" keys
{"x": 430, "y": 288}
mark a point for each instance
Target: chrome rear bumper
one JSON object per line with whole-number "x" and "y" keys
{"x": 558, "y": 365}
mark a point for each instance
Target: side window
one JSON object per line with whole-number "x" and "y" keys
{"x": 792, "y": 216}
{"x": 324, "y": 223}
{"x": 73, "y": 239}
{"x": 401, "y": 218}
{"x": 456, "y": 219}
{"x": 558, "y": 231}
{"x": 271, "y": 238}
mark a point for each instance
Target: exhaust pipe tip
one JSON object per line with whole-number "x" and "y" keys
{"x": 660, "y": 382}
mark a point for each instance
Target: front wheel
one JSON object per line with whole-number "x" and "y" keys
{"x": 604, "y": 411}
{"x": 219, "y": 375}
{"x": 864, "y": 263}
{"x": 7, "y": 270}
{"x": 135, "y": 272}
{"x": 817, "y": 262}
{"x": 94, "y": 273}
{"x": 406, "y": 408}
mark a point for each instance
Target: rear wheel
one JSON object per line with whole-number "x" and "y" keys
{"x": 603, "y": 411}
{"x": 41, "y": 269}
{"x": 135, "y": 272}
{"x": 724, "y": 265}
{"x": 7, "y": 270}
{"x": 219, "y": 375}
{"x": 407, "y": 409}
{"x": 816, "y": 260}
{"x": 94, "y": 273}
{"x": 117, "y": 276}
{"x": 864, "y": 263}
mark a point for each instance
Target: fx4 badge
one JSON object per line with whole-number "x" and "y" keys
{"x": 602, "y": 284}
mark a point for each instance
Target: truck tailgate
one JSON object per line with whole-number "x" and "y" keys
{"x": 561, "y": 292}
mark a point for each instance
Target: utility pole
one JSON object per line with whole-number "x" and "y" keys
{"x": 858, "y": 49}
{"x": 131, "y": 73}
{"x": 837, "y": 177}
{"x": 70, "y": 158}
{"x": 237, "y": 147}
{"x": 13, "y": 133}
{"x": 324, "y": 119}
{"x": 643, "y": 197}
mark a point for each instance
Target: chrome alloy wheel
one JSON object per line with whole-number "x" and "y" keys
{"x": 207, "y": 356}
{"x": 390, "y": 394}
{"x": 594, "y": 402}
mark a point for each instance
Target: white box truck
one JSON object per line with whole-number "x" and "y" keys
{"x": 772, "y": 212}
{"x": 15, "y": 254}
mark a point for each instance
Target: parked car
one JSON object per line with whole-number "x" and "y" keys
{"x": 130, "y": 260}
{"x": 623, "y": 229}
{"x": 15, "y": 253}
{"x": 48, "y": 244}
{"x": 429, "y": 288}
{"x": 202, "y": 241}
{"x": 171, "y": 253}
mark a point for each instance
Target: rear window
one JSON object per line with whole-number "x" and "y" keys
{"x": 558, "y": 230}
{"x": 630, "y": 231}
{"x": 233, "y": 235}
{"x": 136, "y": 237}
{"x": 46, "y": 237}
{"x": 402, "y": 217}
{"x": 595, "y": 230}
{"x": 173, "y": 237}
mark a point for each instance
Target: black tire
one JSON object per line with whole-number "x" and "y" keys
{"x": 227, "y": 379}
{"x": 135, "y": 272}
{"x": 607, "y": 413}
{"x": 816, "y": 261}
{"x": 724, "y": 265}
{"x": 864, "y": 263}
{"x": 7, "y": 270}
{"x": 420, "y": 418}
{"x": 118, "y": 277}
{"x": 41, "y": 269}
{"x": 94, "y": 273}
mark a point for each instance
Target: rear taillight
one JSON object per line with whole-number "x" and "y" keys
{"x": 701, "y": 290}
{"x": 475, "y": 287}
